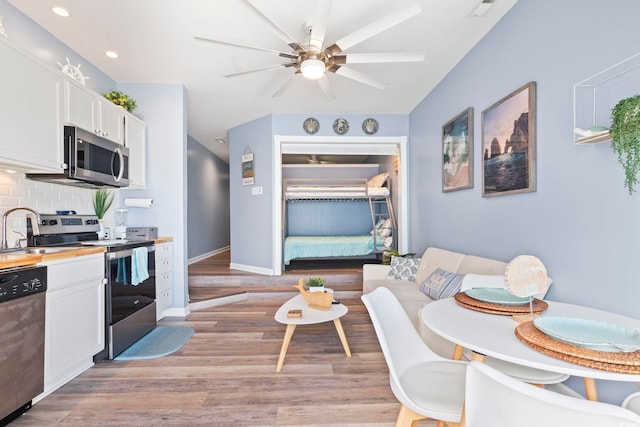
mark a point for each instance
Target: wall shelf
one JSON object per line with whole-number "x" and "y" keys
{"x": 595, "y": 96}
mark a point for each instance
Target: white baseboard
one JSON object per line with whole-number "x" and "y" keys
{"x": 216, "y": 302}
{"x": 207, "y": 255}
{"x": 252, "y": 269}
{"x": 176, "y": 312}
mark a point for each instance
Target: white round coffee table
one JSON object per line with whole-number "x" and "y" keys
{"x": 310, "y": 316}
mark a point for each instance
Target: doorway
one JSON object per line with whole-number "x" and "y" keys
{"x": 338, "y": 145}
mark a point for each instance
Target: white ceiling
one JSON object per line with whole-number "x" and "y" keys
{"x": 155, "y": 41}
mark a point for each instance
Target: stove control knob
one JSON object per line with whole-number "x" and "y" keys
{"x": 52, "y": 221}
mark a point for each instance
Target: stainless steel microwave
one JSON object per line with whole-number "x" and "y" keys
{"x": 91, "y": 161}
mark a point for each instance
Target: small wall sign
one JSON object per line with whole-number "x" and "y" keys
{"x": 247, "y": 169}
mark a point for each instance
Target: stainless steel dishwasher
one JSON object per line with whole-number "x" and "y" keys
{"x": 22, "y": 314}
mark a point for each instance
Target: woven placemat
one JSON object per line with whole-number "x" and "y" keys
{"x": 466, "y": 301}
{"x": 626, "y": 363}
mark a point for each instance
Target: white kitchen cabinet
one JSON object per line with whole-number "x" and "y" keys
{"x": 135, "y": 138}
{"x": 31, "y": 110}
{"x": 75, "y": 317}
{"x": 164, "y": 278}
{"x": 92, "y": 112}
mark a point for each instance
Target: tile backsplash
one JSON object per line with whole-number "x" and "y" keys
{"x": 45, "y": 198}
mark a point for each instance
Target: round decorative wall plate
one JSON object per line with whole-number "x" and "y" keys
{"x": 341, "y": 126}
{"x": 311, "y": 125}
{"x": 370, "y": 126}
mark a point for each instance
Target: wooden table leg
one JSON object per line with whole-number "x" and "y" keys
{"x": 288, "y": 333}
{"x": 590, "y": 389}
{"x": 457, "y": 352}
{"x": 478, "y": 357}
{"x": 342, "y": 336}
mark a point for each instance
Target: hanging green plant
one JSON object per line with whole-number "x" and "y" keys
{"x": 102, "y": 202}
{"x": 625, "y": 138}
{"x": 121, "y": 99}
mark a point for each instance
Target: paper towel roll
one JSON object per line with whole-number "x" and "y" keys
{"x": 138, "y": 203}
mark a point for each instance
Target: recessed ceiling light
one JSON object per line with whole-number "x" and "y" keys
{"x": 60, "y": 11}
{"x": 112, "y": 54}
{"x": 220, "y": 140}
{"x": 482, "y": 8}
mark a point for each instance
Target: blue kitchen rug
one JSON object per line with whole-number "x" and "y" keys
{"x": 161, "y": 341}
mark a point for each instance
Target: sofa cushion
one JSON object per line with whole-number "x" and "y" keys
{"x": 478, "y": 265}
{"x": 441, "y": 284}
{"x": 404, "y": 268}
{"x": 436, "y": 257}
{"x": 411, "y": 299}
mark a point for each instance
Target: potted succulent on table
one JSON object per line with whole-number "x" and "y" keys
{"x": 625, "y": 138}
{"x": 102, "y": 201}
{"x": 315, "y": 284}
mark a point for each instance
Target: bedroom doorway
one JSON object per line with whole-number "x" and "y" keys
{"x": 347, "y": 146}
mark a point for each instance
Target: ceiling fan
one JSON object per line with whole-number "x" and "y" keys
{"x": 316, "y": 57}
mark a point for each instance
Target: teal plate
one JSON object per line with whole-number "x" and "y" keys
{"x": 590, "y": 334}
{"x": 496, "y": 296}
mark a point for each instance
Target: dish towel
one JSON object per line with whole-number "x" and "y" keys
{"x": 139, "y": 268}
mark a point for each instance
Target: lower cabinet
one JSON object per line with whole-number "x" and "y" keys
{"x": 75, "y": 316}
{"x": 164, "y": 278}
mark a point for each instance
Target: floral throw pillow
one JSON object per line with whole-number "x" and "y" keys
{"x": 403, "y": 268}
{"x": 441, "y": 284}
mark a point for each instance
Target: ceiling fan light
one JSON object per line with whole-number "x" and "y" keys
{"x": 312, "y": 68}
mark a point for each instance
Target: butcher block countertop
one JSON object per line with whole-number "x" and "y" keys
{"x": 21, "y": 259}
{"x": 163, "y": 239}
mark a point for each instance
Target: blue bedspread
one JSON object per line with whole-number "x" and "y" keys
{"x": 326, "y": 246}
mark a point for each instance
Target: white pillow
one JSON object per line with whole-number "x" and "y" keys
{"x": 378, "y": 180}
{"x": 403, "y": 268}
{"x": 385, "y": 229}
{"x": 471, "y": 281}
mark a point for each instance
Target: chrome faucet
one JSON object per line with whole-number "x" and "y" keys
{"x": 34, "y": 224}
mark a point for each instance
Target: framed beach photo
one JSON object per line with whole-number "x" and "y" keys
{"x": 457, "y": 152}
{"x": 509, "y": 144}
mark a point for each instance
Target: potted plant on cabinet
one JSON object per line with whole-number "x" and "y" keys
{"x": 625, "y": 138}
{"x": 121, "y": 99}
{"x": 102, "y": 201}
{"x": 315, "y": 284}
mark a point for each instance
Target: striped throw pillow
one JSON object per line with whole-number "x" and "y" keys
{"x": 441, "y": 284}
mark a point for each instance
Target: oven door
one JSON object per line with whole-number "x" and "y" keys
{"x": 124, "y": 298}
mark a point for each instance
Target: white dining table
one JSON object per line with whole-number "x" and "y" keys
{"x": 493, "y": 335}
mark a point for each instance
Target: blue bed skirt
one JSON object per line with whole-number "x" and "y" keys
{"x": 327, "y": 246}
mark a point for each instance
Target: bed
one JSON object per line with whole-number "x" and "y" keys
{"x": 327, "y": 245}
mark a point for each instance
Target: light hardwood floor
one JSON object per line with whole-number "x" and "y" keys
{"x": 225, "y": 376}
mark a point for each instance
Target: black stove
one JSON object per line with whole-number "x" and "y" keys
{"x": 130, "y": 311}
{"x": 75, "y": 230}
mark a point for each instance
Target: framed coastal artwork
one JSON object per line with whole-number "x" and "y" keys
{"x": 457, "y": 152}
{"x": 509, "y": 144}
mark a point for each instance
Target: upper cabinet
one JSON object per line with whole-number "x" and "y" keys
{"x": 31, "y": 110}
{"x": 135, "y": 139}
{"x": 93, "y": 113}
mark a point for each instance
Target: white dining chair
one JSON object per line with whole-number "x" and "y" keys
{"x": 493, "y": 399}
{"x": 632, "y": 402}
{"x": 427, "y": 385}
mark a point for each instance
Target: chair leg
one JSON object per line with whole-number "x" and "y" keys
{"x": 408, "y": 418}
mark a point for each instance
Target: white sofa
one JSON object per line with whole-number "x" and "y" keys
{"x": 409, "y": 294}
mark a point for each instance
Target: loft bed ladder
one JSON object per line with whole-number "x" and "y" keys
{"x": 382, "y": 208}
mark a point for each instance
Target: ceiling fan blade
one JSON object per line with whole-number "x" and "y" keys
{"x": 286, "y": 37}
{"x": 268, "y": 67}
{"x": 378, "y": 58}
{"x": 374, "y": 28}
{"x": 283, "y": 88}
{"x": 359, "y": 77}
{"x": 319, "y": 23}
{"x": 282, "y": 54}
{"x": 327, "y": 88}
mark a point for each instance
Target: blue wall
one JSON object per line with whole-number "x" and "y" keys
{"x": 208, "y": 200}
{"x": 580, "y": 222}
